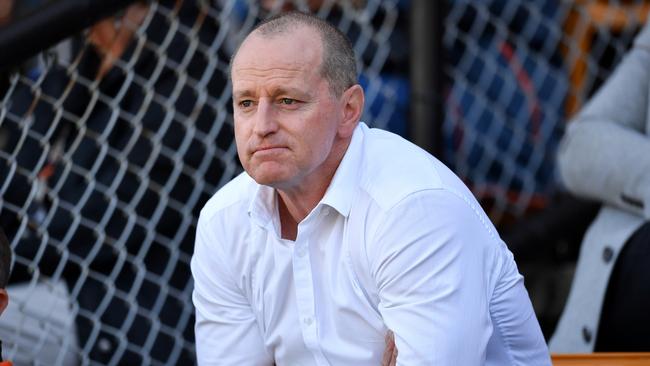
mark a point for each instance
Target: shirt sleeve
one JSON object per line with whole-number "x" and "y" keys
{"x": 226, "y": 329}
{"x": 605, "y": 153}
{"x": 435, "y": 261}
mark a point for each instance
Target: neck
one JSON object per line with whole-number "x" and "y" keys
{"x": 295, "y": 203}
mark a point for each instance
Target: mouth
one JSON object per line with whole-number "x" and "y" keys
{"x": 269, "y": 149}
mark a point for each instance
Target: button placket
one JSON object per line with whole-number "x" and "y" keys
{"x": 301, "y": 251}
{"x": 305, "y": 293}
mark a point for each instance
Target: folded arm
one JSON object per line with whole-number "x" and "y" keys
{"x": 431, "y": 263}
{"x": 226, "y": 329}
{"x": 605, "y": 153}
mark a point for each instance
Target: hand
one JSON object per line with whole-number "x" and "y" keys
{"x": 390, "y": 353}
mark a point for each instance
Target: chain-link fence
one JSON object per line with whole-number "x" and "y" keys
{"x": 517, "y": 71}
{"x": 110, "y": 143}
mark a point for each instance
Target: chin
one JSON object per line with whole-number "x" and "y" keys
{"x": 271, "y": 174}
{"x": 273, "y": 180}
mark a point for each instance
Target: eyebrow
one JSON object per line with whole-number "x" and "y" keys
{"x": 292, "y": 91}
{"x": 242, "y": 94}
{"x": 274, "y": 92}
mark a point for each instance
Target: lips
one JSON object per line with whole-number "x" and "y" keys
{"x": 267, "y": 149}
{"x": 262, "y": 148}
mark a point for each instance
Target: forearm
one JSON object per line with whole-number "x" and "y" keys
{"x": 226, "y": 328}
{"x": 432, "y": 281}
{"x": 227, "y": 337}
{"x": 609, "y": 163}
{"x": 605, "y": 153}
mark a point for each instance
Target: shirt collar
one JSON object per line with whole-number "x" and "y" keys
{"x": 263, "y": 206}
{"x": 339, "y": 195}
{"x": 342, "y": 189}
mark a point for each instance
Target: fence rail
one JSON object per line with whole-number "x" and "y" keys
{"x": 44, "y": 26}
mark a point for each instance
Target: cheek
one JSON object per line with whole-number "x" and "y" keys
{"x": 319, "y": 143}
{"x": 326, "y": 130}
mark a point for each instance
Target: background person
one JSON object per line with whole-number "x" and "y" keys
{"x": 605, "y": 155}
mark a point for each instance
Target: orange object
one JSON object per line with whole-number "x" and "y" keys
{"x": 602, "y": 359}
{"x": 582, "y": 23}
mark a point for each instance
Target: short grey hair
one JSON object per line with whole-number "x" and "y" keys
{"x": 338, "y": 65}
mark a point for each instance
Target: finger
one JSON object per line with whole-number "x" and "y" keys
{"x": 387, "y": 357}
{"x": 389, "y": 352}
{"x": 390, "y": 338}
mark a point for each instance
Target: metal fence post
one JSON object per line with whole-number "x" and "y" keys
{"x": 426, "y": 114}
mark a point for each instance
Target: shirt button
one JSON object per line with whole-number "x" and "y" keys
{"x": 308, "y": 320}
{"x": 301, "y": 251}
{"x": 608, "y": 253}
{"x": 326, "y": 211}
{"x": 586, "y": 334}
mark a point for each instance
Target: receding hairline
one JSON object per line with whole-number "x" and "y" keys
{"x": 272, "y": 35}
{"x": 337, "y": 59}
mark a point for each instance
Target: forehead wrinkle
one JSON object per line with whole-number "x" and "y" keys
{"x": 262, "y": 72}
{"x": 265, "y": 81}
{"x": 248, "y": 74}
{"x": 274, "y": 89}
{"x": 249, "y": 81}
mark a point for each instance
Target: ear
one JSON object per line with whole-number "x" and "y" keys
{"x": 353, "y": 101}
{"x": 4, "y": 300}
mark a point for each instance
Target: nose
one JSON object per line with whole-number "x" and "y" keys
{"x": 265, "y": 119}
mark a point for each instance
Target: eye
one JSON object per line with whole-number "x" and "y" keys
{"x": 287, "y": 101}
{"x": 246, "y": 103}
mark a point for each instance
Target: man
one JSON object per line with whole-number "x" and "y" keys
{"x": 5, "y": 266}
{"x": 337, "y": 233}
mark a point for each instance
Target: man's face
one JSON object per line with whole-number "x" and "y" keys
{"x": 286, "y": 118}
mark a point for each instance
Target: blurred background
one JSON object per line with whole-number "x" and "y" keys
{"x": 116, "y": 127}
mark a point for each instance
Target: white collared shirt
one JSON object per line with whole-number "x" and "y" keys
{"x": 397, "y": 242}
